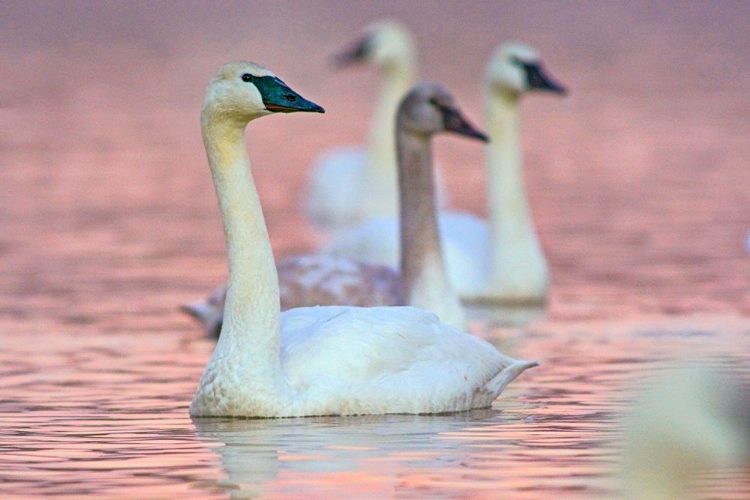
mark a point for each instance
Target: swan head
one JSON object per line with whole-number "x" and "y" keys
{"x": 429, "y": 108}
{"x": 516, "y": 68}
{"x": 241, "y": 91}
{"x": 386, "y": 44}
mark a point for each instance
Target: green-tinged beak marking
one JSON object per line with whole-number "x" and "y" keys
{"x": 279, "y": 98}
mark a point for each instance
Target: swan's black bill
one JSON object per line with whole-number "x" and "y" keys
{"x": 354, "y": 54}
{"x": 454, "y": 121}
{"x": 279, "y": 98}
{"x": 537, "y": 79}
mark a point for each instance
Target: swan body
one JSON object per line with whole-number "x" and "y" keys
{"x": 320, "y": 360}
{"x": 339, "y": 360}
{"x": 331, "y": 280}
{"x": 350, "y": 184}
{"x": 499, "y": 260}
{"x": 313, "y": 280}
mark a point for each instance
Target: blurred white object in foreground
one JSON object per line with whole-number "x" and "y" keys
{"x": 689, "y": 422}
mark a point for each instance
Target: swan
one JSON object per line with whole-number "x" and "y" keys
{"x": 497, "y": 261}
{"x": 322, "y": 279}
{"x": 312, "y": 280}
{"x": 350, "y": 184}
{"x": 329, "y": 360}
{"x": 693, "y": 419}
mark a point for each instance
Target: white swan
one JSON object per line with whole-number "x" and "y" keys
{"x": 692, "y": 420}
{"x": 321, "y": 360}
{"x": 499, "y": 260}
{"x": 350, "y": 184}
{"x": 327, "y": 280}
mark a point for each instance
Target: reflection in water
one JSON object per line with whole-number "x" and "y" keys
{"x": 505, "y": 317}
{"x": 309, "y": 455}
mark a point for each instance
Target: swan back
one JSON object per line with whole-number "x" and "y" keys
{"x": 516, "y": 68}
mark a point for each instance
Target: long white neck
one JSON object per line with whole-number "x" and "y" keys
{"x": 251, "y": 316}
{"x": 422, "y": 269}
{"x": 380, "y": 172}
{"x": 518, "y": 267}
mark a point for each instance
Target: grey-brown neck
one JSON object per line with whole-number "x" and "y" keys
{"x": 425, "y": 284}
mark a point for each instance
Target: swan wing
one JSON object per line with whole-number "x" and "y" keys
{"x": 390, "y": 360}
{"x": 320, "y": 279}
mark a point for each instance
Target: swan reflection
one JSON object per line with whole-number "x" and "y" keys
{"x": 375, "y": 451}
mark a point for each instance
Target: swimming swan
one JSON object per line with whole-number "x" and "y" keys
{"x": 347, "y": 185}
{"x": 499, "y": 260}
{"x": 319, "y": 360}
{"x": 328, "y": 280}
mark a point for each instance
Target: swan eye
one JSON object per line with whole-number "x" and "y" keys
{"x": 247, "y": 77}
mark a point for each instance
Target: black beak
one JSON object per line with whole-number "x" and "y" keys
{"x": 539, "y": 80}
{"x": 354, "y": 54}
{"x": 280, "y": 98}
{"x": 454, "y": 121}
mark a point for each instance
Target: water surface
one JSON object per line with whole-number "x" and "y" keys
{"x": 638, "y": 181}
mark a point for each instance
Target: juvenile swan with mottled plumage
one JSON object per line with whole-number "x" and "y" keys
{"x": 322, "y": 360}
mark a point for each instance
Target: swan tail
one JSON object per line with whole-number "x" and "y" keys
{"x": 206, "y": 314}
{"x": 497, "y": 385}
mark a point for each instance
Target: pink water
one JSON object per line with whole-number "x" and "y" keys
{"x": 640, "y": 191}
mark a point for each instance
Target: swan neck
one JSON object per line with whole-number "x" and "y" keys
{"x": 423, "y": 271}
{"x": 251, "y": 315}
{"x": 505, "y": 176}
{"x": 394, "y": 85}
{"x": 508, "y": 208}
{"x": 380, "y": 173}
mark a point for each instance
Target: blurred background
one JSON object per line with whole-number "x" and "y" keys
{"x": 639, "y": 180}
